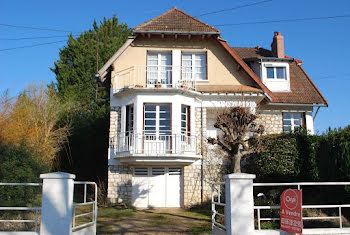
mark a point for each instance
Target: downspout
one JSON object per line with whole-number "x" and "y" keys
{"x": 318, "y": 108}
{"x": 202, "y": 162}
{"x": 202, "y": 142}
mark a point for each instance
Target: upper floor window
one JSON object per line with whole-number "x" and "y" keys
{"x": 194, "y": 66}
{"x": 129, "y": 119}
{"x": 159, "y": 67}
{"x": 185, "y": 120}
{"x": 292, "y": 121}
{"x": 276, "y": 72}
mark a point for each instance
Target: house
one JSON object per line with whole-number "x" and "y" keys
{"x": 167, "y": 82}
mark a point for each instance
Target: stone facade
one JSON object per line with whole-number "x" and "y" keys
{"x": 192, "y": 186}
{"x": 272, "y": 122}
{"x": 119, "y": 184}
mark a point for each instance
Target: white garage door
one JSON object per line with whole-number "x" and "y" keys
{"x": 156, "y": 187}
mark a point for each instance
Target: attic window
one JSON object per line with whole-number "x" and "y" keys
{"x": 276, "y": 72}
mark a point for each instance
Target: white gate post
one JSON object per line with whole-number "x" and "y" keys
{"x": 239, "y": 210}
{"x": 57, "y": 202}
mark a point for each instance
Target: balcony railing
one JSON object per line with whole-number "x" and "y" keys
{"x": 166, "y": 76}
{"x": 153, "y": 144}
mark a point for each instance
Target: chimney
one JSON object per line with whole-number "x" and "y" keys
{"x": 277, "y": 45}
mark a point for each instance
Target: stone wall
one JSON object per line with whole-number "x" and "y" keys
{"x": 272, "y": 122}
{"x": 192, "y": 186}
{"x": 115, "y": 121}
{"x": 120, "y": 185}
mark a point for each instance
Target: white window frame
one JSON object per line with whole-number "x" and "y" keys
{"x": 157, "y": 118}
{"x": 159, "y": 67}
{"x": 193, "y": 73}
{"x": 292, "y": 119}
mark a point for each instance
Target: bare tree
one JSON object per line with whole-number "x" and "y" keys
{"x": 240, "y": 135}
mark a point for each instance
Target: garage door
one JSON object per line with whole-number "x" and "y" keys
{"x": 157, "y": 187}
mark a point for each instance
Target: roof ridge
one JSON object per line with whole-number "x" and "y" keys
{"x": 148, "y": 21}
{"x": 198, "y": 20}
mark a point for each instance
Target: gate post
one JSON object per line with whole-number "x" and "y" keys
{"x": 57, "y": 202}
{"x": 239, "y": 210}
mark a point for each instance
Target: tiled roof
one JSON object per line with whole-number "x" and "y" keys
{"x": 175, "y": 20}
{"x": 303, "y": 90}
{"x": 227, "y": 89}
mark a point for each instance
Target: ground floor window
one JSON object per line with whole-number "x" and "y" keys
{"x": 292, "y": 121}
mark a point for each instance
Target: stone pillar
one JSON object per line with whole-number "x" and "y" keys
{"x": 239, "y": 210}
{"x": 57, "y": 202}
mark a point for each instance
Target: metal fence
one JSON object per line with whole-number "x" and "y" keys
{"x": 85, "y": 202}
{"x": 299, "y": 186}
{"x": 218, "y": 202}
{"x": 37, "y": 210}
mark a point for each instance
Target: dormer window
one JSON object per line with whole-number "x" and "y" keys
{"x": 275, "y": 75}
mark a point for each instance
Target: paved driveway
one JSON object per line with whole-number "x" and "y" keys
{"x": 158, "y": 221}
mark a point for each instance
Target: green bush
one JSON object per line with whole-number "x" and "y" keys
{"x": 333, "y": 155}
{"x": 18, "y": 164}
{"x": 278, "y": 160}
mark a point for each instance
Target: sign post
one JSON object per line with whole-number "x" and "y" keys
{"x": 291, "y": 214}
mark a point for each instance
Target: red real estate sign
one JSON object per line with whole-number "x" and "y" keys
{"x": 291, "y": 216}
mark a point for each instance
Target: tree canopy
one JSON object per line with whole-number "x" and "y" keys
{"x": 86, "y": 151}
{"x": 76, "y": 67}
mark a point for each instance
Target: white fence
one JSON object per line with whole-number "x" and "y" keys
{"x": 240, "y": 208}
{"x": 153, "y": 144}
{"x": 218, "y": 208}
{"x": 57, "y": 214}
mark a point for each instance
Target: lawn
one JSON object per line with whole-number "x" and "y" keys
{"x": 112, "y": 220}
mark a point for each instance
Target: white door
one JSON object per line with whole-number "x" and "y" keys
{"x": 140, "y": 187}
{"x": 157, "y": 187}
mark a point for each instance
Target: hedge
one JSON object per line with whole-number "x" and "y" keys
{"x": 302, "y": 157}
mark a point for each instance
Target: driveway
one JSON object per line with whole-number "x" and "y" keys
{"x": 156, "y": 221}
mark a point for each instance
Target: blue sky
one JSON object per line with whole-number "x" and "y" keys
{"x": 323, "y": 45}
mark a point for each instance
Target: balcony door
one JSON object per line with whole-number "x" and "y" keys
{"x": 159, "y": 69}
{"x": 157, "y": 129}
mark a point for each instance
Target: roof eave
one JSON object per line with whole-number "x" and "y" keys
{"x": 175, "y": 32}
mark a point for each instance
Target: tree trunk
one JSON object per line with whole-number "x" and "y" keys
{"x": 237, "y": 163}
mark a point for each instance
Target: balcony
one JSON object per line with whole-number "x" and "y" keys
{"x": 155, "y": 77}
{"x": 142, "y": 147}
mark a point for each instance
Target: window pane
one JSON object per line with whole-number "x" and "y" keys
{"x": 286, "y": 128}
{"x": 165, "y": 107}
{"x": 150, "y": 115}
{"x": 150, "y": 122}
{"x": 286, "y": 116}
{"x": 287, "y": 122}
{"x": 186, "y": 57}
{"x": 270, "y": 71}
{"x": 165, "y": 115}
{"x": 150, "y": 107}
{"x": 281, "y": 72}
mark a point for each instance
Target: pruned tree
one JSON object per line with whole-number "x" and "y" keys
{"x": 240, "y": 135}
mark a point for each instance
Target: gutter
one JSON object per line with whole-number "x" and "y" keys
{"x": 293, "y": 104}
